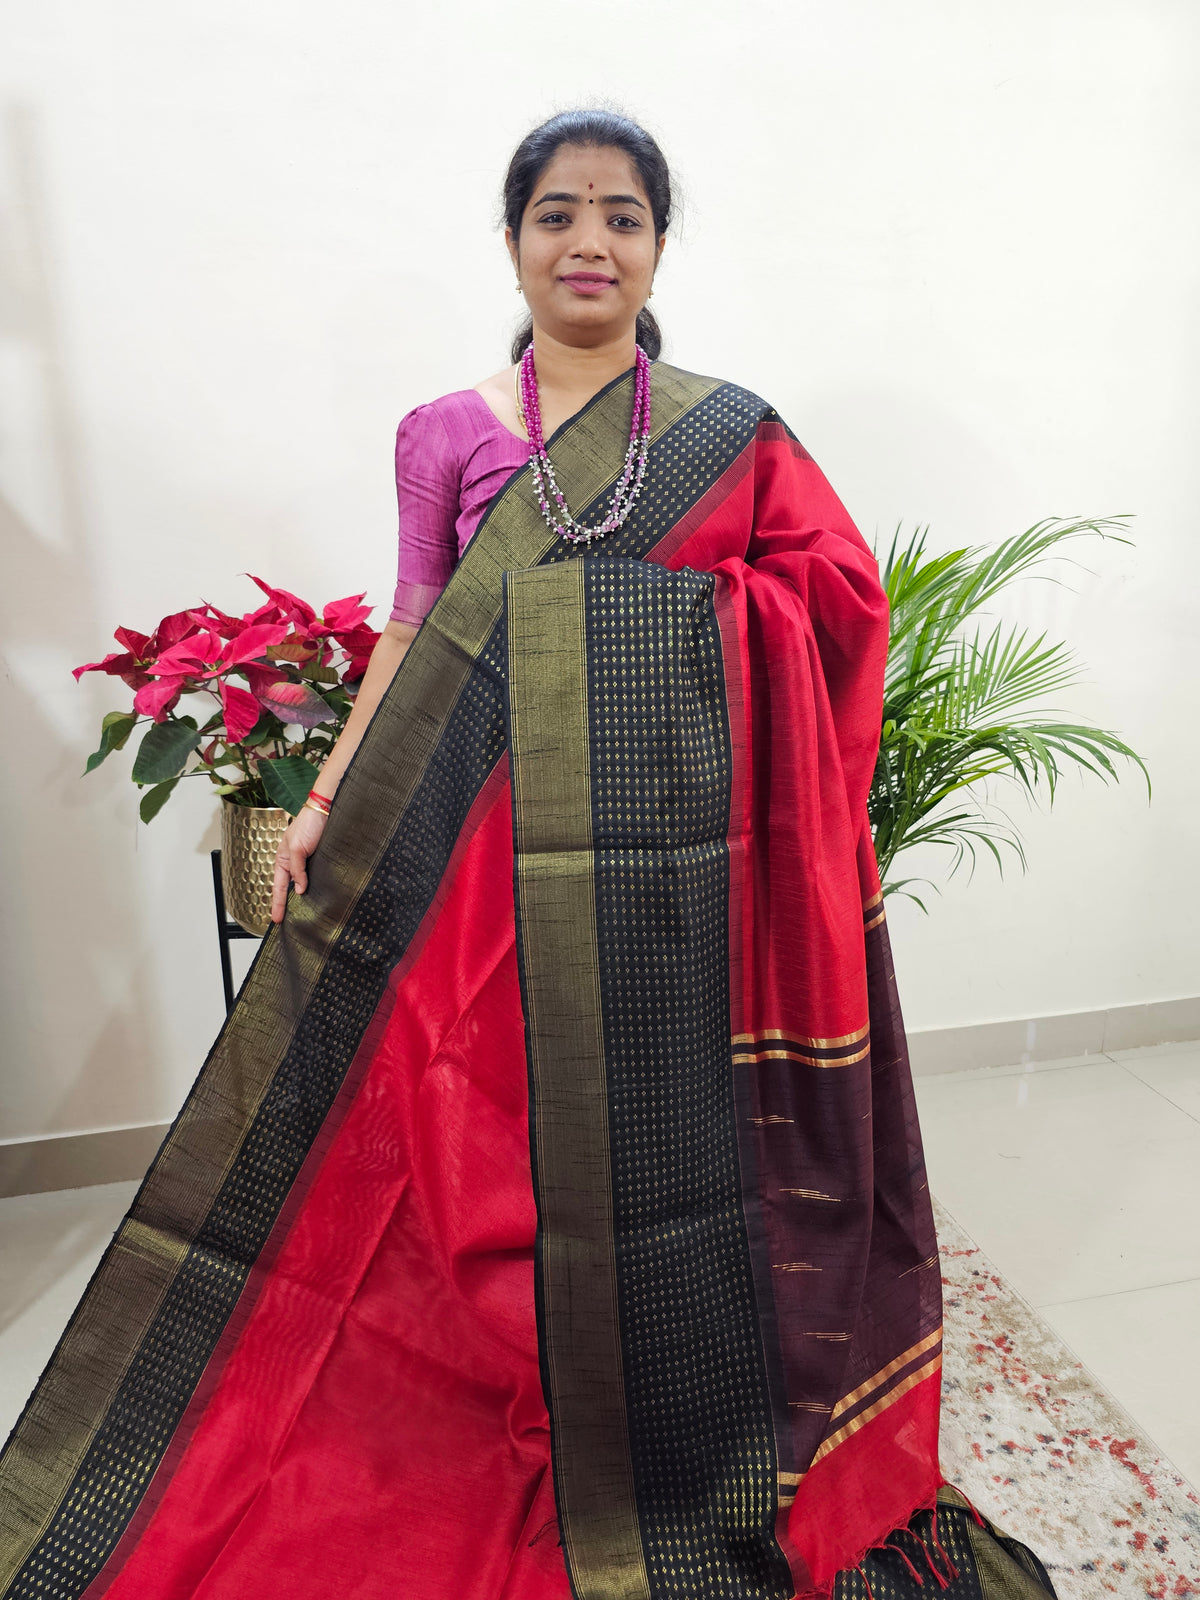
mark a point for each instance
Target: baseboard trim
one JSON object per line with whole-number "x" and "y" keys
{"x": 120, "y": 1155}
{"x": 1056, "y": 1038}
{"x": 78, "y": 1160}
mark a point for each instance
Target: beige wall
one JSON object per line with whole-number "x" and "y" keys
{"x": 955, "y": 245}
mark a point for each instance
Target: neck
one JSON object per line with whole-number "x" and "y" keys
{"x": 574, "y": 369}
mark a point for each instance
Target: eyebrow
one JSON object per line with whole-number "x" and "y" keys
{"x": 605, "y": 199}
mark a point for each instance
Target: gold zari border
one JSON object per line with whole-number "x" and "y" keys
{"x": 547, "y": 686}
{"x": 889, "y": 1399}
{"x": 747, "y": 1058}
{"x": 800, "y": 1038}
{"x": 881, "y": 1377}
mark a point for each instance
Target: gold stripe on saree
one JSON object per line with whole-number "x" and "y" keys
{"x": 547, "y": 673}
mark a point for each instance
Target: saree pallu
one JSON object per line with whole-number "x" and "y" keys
{"x": 549, "y": 1217}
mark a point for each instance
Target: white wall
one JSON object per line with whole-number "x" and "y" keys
{"x": 954, "y": 244}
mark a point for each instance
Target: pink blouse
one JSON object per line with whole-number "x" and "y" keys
{"x": 452, "y": 455}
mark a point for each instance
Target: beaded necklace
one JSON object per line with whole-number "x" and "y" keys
{"x": 636, "y": 455}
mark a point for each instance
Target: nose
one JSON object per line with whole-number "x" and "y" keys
{"x": 590, "y": 243}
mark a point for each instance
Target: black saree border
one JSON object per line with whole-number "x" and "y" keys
{"x": 174, "y": 1263}
{"x": 657, "y": 1381}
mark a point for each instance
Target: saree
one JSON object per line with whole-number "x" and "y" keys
{"x": 549, "y": 1217}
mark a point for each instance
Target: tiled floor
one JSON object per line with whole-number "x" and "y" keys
{"x": 49, "y": 1247}
{"x": 1081, "y": 1181}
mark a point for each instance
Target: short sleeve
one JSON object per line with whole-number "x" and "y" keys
{"x": 427, "y": 495}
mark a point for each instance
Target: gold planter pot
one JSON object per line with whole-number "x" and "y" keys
{"x": 250, "y": 837}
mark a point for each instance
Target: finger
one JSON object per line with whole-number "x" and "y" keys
{"x": 279, "y": 886}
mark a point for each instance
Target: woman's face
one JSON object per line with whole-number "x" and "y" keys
{"x": 587, "y": 249}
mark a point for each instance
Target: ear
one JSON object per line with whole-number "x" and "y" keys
{"x": 662, "y": 239}
{"x": 512, "y": 246}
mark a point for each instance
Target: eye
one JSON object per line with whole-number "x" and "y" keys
{"x": 554, "y": 216}
{"x": 633, "y": 222}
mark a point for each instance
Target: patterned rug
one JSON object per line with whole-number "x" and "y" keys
{"x": 1044, "y": 1451}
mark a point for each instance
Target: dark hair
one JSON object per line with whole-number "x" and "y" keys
{"x": 606, "y": 130}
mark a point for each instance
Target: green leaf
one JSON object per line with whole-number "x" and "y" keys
{"x": 119, "y": 725}
{"x": 287, "y": 781}
{"x": 965, "y": 704}
{"x": 155, "y": 799}
{"x": 114, "y": 731}
{"x": 164, "y": 751}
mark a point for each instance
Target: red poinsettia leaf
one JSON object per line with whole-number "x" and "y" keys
{"x": 267, "y": 612}
{"x": 251, "y": 643}
{"x": 241, "y": 711}
{"x": 296, "y": 702}
{"x": 138, "y": 643}
{"x": 171, "y": 630}
{"x": 114, "y": 665}
{"x": 136, "y": 678}
{"x": 210, "y": 616}
{"x": 190, "y": 654}
{"x": 347, "y": 613}
{"x": 158, "y": 697}
{"x": 291, "y": 605}
{"x": 356, "y": 641}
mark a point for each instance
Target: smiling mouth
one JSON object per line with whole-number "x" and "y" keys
{"x": 586, "y": 277}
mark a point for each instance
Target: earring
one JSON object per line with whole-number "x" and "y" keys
{"x": 519, "y": 286}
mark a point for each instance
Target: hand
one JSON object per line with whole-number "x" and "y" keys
{"x": 291, "y": 859}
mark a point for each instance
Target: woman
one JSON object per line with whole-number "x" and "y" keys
{"x": 549, "y": 1218}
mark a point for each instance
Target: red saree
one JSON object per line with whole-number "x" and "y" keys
{"x": 549, "y": 1217}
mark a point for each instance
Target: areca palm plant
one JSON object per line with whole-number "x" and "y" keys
{"x": 965, "y": 701}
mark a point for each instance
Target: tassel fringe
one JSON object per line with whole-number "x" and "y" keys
{"x": 866, "y": 1582}
{"x": 937, "y": 1545}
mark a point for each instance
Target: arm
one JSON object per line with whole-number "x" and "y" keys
{"x": 305, "y": 830}
{"x": 427, "y": 492}
{"x": 390, "y": 650}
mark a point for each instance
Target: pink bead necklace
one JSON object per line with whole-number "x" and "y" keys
{"x": 630, "y": 483}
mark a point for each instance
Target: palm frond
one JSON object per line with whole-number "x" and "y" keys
{"x": 965, "y": 705}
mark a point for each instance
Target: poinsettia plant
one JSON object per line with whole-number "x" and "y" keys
{"x": 283, "y": 679}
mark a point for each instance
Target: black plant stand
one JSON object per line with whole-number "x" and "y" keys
{"x": 227, "y": 929}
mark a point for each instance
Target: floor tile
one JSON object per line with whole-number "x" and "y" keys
{"x": 1019, "y": 1069}
{"x": 1171, "y": 1069}
{"x": 1142, "y": 1346}
{"x": 49, "y": 1247}
{"x": 1076, "y": 1182}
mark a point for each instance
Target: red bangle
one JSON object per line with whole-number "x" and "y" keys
{"x": 321, "y": 801}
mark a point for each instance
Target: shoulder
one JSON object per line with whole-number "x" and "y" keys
{"x": 438, "y": 431}
{"x": 433, "y": 416}
{"x": 499, "y": 383}
{"x": 459, "y": 415}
